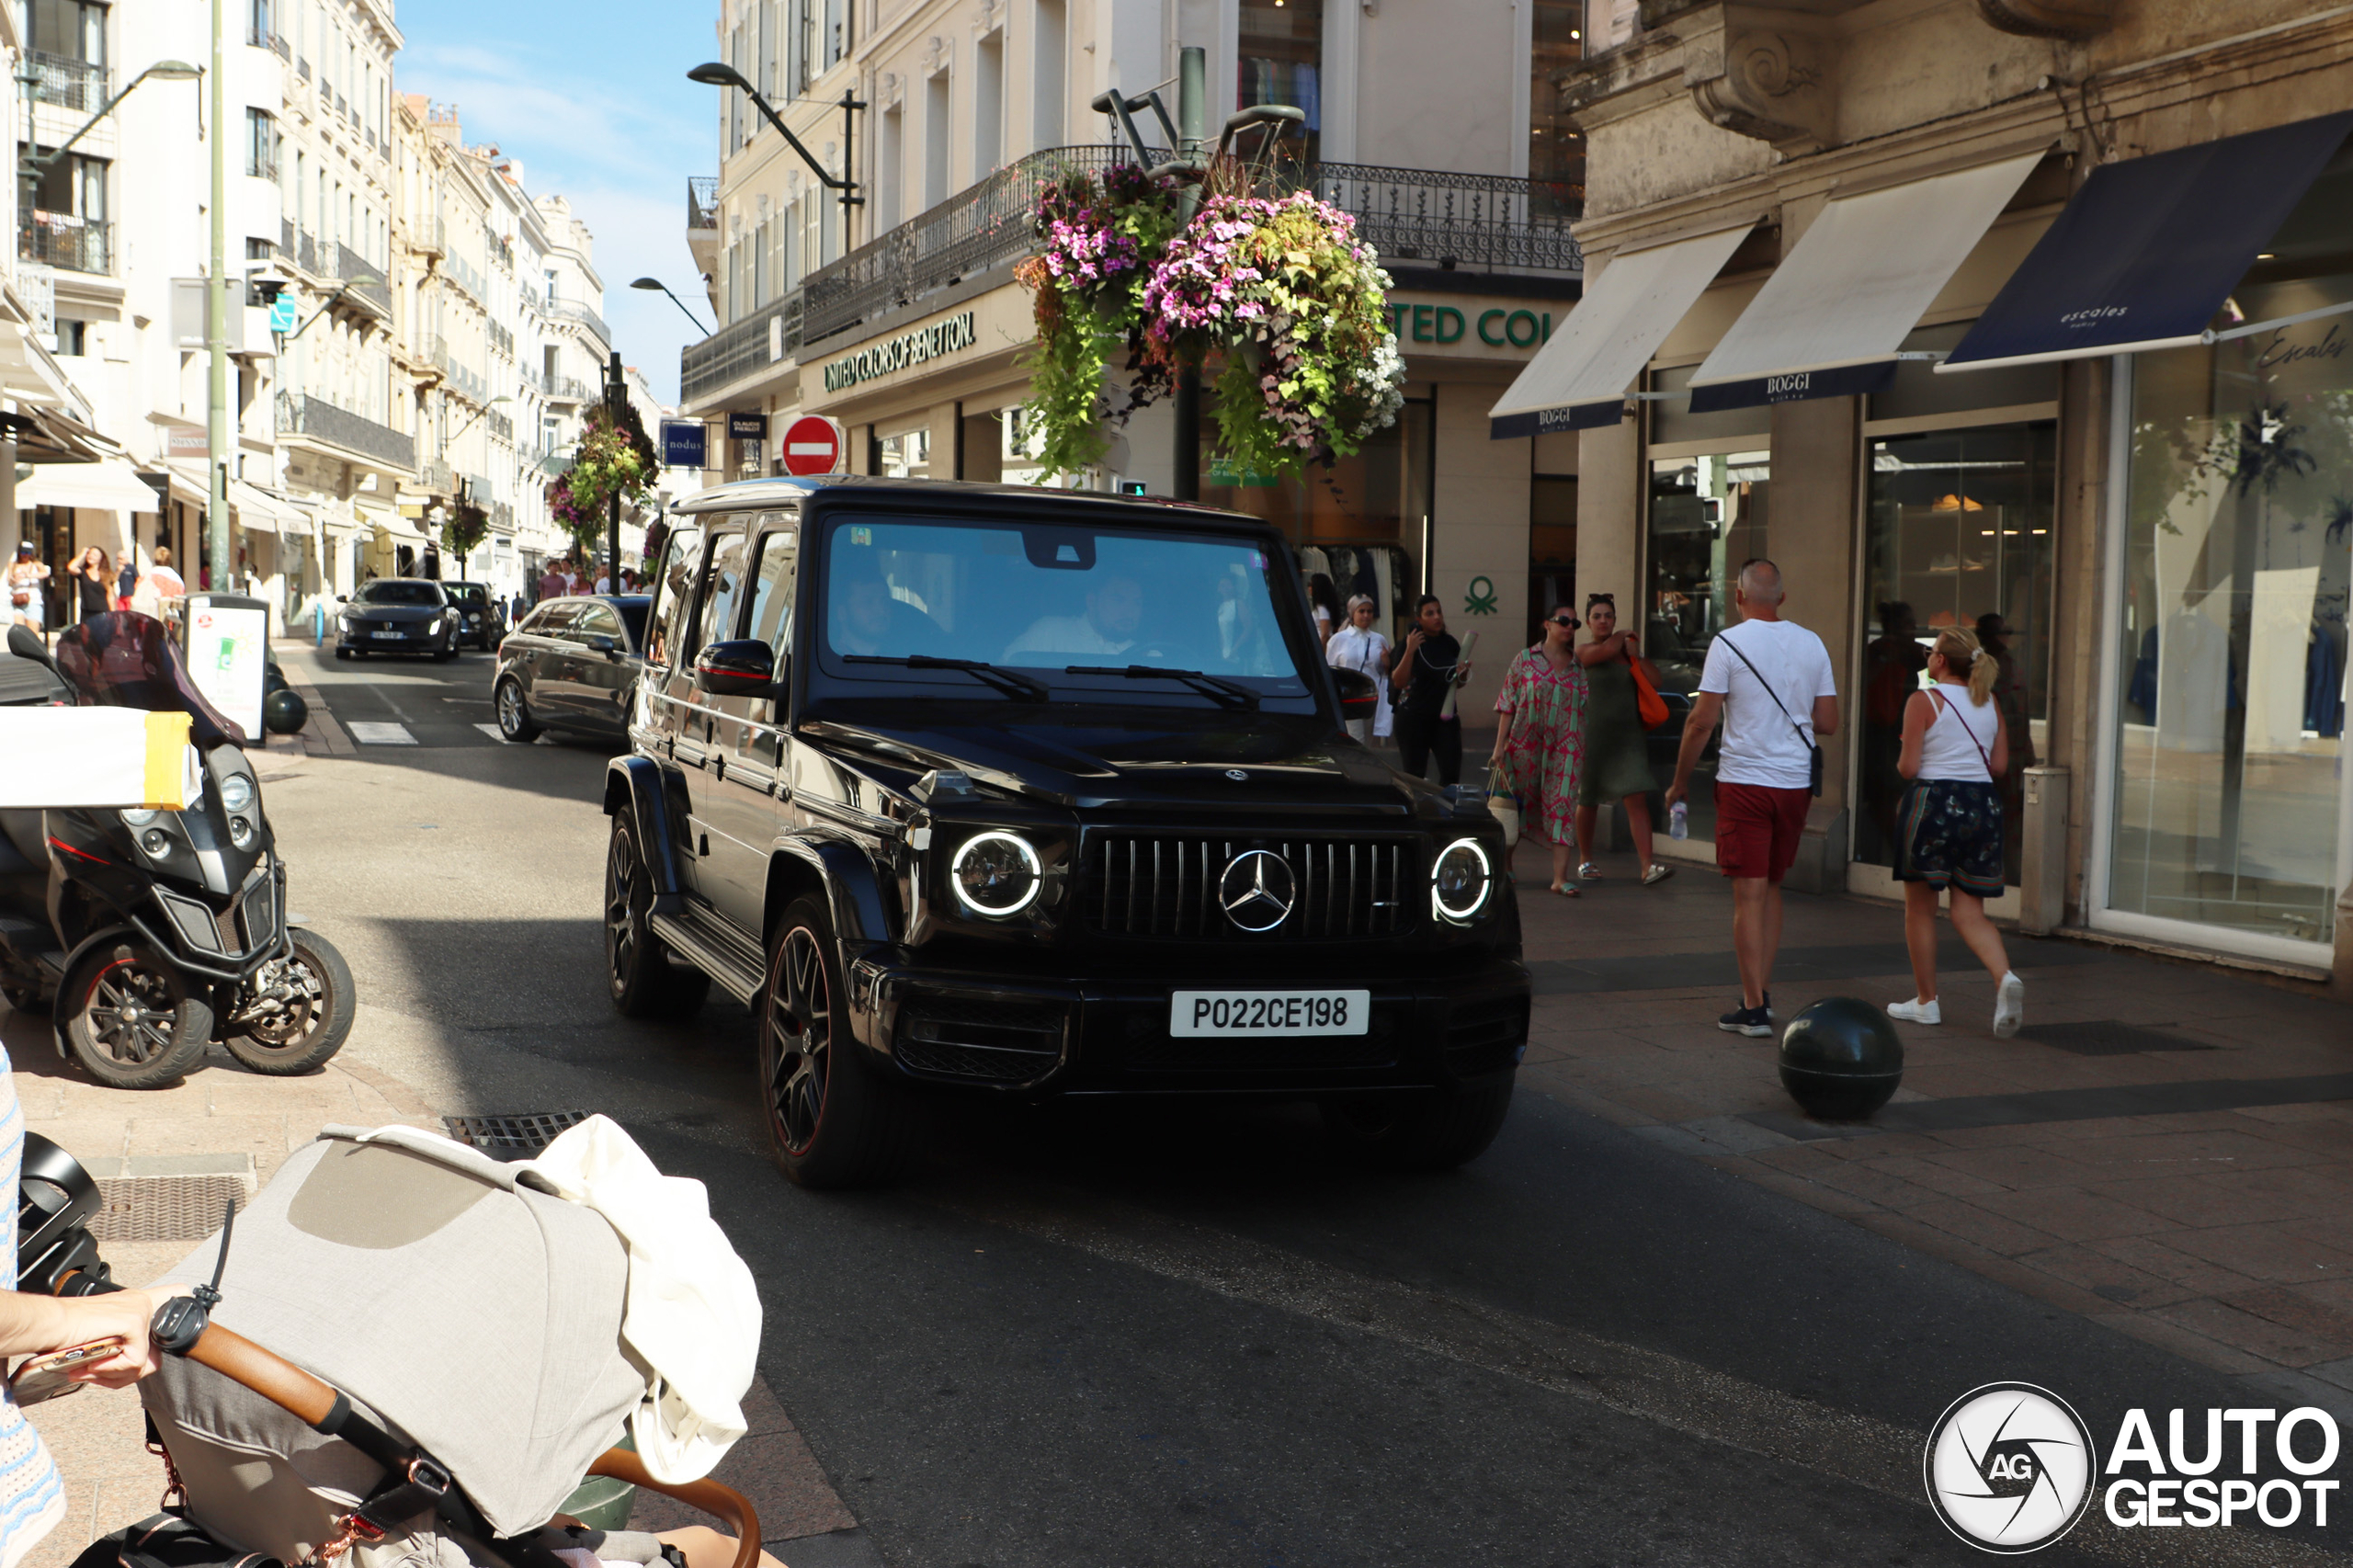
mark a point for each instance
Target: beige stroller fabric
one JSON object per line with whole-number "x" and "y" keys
{"x": 478, "y": 1318}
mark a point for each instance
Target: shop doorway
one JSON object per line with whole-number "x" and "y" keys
{"x": 1551, "y": 550}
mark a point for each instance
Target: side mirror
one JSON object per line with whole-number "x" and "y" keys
{"x": 1359, "y": 697}
{"x": 746, "y": 668}
{"x": 25, "y": 644}
{"x": 343, "y": 598}
{"x": 608, "y": 645}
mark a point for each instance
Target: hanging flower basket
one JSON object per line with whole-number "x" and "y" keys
{"x": 1280, "y": 295}
{"x": 612, "y": 462}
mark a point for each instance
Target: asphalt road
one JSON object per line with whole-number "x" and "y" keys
{"x": 1185, "y": 1336}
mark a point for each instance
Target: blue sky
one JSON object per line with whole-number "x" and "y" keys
{"x": 592, "y": 96}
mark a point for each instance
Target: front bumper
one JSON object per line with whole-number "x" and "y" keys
{"x": 1075, "y": 1035}
{"x": 404, "y": 640}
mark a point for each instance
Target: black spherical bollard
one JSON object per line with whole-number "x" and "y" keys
{"x": 1841, "y": 1059}
{"x": 283, "y": 712}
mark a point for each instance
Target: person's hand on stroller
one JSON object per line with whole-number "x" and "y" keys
{"x": 39, "y": 1325}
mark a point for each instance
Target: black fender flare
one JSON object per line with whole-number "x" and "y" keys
{"x": 845, "y": 870}
{"x": 643, "y": 787}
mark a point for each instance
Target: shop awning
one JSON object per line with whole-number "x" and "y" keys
{"x": 392, "y": 525}
{"x": 109, "y": 485}
{"x": 2148, "y": 251}
{"x": 188, "y": 482}
{"x": 260, "y": 513}
{"x": 1579, "y": 380}
{"x": 1829, "y": 321}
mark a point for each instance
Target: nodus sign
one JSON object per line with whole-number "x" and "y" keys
{"x": 894, "y": 354}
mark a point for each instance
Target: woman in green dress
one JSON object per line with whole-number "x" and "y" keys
{"x": 1617, "y": 761}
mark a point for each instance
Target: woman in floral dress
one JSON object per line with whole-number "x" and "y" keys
{"x": 1540, "y": 745}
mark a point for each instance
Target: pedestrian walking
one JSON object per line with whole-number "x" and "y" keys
{"x": 1771, "y": 684}
{"x": 1428, "y": 666}
{"x": 27, "y": 599}
{"x": 1956, "y": 752}
{"x": 552, "y": 586}
{"x": 1359, "y": 646}
{"x": 1617, "y": 759}
{"x": 1540, "y": 744}
{"x": 1324, "y": 600}
{"x": 164, "y": 581}
{"x": 93, "y": 577}
{"x": 126, "y": 581}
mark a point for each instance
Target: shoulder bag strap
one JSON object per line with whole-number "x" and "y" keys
{"x": 1968, "y": 729}
{"x": 1802, "y": 733}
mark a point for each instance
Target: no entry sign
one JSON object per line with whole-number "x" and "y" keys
{"x": 812, "y": 446}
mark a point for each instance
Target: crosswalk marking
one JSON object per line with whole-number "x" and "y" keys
{"x": 492, "y": 730}
{"x": 372, "y": 732}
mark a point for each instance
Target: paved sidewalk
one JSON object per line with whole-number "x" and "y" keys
{"x": 2166, "y": 1148}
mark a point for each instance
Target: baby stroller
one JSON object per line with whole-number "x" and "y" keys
{"x": 408, "y": 1356}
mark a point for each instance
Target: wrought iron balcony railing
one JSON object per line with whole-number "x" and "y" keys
{"x": 1429, "y": 217}
{"x": 62, "y": 241}
{"x": 703, "y": 201}
{"x": 572, "y": 310}
{"x": 66, "y": 81}
{"x": 301, "y": 415}
{"x": 741, "y": 347}
{"x": 367, "y": 278}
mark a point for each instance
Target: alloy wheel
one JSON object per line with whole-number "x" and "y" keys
{"x": 621, "y": 912}
{"x": 510, "y": 708}
{"x": 800, "y": 1024}
{"x": 131, "y": 1013}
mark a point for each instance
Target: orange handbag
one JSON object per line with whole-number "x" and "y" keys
{"x": 1647, "y": 701}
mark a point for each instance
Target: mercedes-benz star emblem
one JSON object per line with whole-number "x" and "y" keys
{"x": 1237, "y": 776}
{"x": 1256, "y": 890}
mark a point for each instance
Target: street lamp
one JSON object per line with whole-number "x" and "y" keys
{"x": 163, "y": 70}
{"x": 716, "y": 74}
{"x": 650, "y": 283}
{"x": 363, "y": 280}
{"x": 470, "y": 424}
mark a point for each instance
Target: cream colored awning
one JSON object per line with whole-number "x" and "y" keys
{"x": 111, "y": 485}
{"x": 260, "y": 513}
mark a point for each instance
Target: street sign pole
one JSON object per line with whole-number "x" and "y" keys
{"x": 217, "y": 444}
{"x": 1192, "y": 97}
{"x": 616, "y": 403}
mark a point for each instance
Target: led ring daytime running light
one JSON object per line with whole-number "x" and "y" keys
{"x": 1029, "y": 861}
{"x": 1486, "y": 879}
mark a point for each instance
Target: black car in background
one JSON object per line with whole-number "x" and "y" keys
{"x": 571, "y": 664}
{"x": 976, "y": 792}
{"x": 398, "y": 615}
{"x": 482, "y": 617}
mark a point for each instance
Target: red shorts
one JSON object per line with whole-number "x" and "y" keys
{"x": 1758, "y": 829}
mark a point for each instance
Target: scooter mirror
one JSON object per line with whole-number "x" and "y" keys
{"x": 25, "y": 642}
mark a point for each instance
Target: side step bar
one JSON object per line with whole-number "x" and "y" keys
{"x": 709, "y": 954}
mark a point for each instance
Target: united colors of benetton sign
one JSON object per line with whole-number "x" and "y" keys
{"x": 942, "y": 337}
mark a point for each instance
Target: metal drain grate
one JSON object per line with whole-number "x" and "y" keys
{"x": 2105, "y": 1037}
{"x": 517, "y": 1137}
{"x": 165, "y": 1209}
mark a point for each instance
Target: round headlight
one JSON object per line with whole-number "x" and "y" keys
{"x": 237, "y": 792}
{"x": 996, "y": 874}
{"x": 241, "y": 832}
{"x": 139, "y": 817}
{"x": 1460, "y": 879}
{"x": 156, "y": 842}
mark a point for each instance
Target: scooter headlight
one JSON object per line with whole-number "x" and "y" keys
{"x": 242, "y": 833}
{"x": 156, "y": 841}
{"x": 236, "y": 793}
{"x": 138, "y": 817}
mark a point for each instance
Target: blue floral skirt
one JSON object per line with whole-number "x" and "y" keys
{"x": 1952, "y": 837}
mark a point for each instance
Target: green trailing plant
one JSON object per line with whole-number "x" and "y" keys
{"x": 614, "y": 459}
{"x": 462, "y": 532}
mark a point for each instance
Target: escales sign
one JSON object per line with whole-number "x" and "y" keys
{"x": 892, "y": 354}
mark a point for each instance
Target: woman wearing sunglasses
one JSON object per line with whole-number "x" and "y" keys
{"x": 1540, "y": 740}
{"x": 1617, "y": 761}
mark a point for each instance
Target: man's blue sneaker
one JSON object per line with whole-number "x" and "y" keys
{"x": 1757, "y": 1023}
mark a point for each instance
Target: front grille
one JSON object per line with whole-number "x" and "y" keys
{"x": 259, "y": 911}
{"x": 1149, "y": 1048}
{"x": 195, "y": 922}
{"x": 993, "y": 1042}
{"x": 1166, "y": 885}
{"x": 1485, "y": 1035}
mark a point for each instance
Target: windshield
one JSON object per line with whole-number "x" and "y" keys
{"x": 127, "y": 660}
{"x": 400, "y": 593}
{"x": 1045, "y": 597}
{"x": 473, "y": 592}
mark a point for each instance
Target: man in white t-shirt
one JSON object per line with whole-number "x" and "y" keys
{"x": 1773, "y": 685}
{"x": 1114, "y": 614}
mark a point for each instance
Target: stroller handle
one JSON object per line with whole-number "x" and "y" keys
{"x": 325, "y": 1410}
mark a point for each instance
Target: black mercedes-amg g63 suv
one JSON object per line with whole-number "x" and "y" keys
{"x": 974, "y": 790}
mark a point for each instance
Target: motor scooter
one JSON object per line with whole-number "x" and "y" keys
{"x": 149, "y": 933}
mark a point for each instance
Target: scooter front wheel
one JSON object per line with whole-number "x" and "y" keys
{"x": 130, "y": 1019}
{"x": 296, "y": 1011}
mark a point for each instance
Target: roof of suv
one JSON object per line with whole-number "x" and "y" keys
{"x": 776, "y": 491}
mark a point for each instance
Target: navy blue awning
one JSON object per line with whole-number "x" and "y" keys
{"x": 2147, "y": 252}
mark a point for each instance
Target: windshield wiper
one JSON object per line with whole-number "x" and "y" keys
{"x": 1012, "y": 683}
{"x": 1226, "y": 693}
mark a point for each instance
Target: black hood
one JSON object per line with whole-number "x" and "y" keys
{"x": 1166, "y": 756}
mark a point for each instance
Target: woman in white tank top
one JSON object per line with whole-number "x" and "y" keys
{"x": 1951, "y": 834}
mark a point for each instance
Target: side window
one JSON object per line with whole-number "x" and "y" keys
{"x": 552, "y": 619}
{"x": 772, "y": 588}
{"x": 673, "y": 592}
{"x": 597, "y": 621}
{"x": 722, "y": 594}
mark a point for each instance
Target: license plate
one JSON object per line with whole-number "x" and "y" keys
{"x": 1194, "y": 1014}
{"x": 391, "y": 634}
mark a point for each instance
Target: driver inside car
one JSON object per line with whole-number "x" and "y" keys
{"x": 868, "y": 619}
{"x": 1114, "y": 615}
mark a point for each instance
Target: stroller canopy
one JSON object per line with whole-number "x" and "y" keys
{"x": 479, "y": 1318}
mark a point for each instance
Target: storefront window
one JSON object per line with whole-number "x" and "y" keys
{"x": 1959, "y": 535}
{"x": 1707, "y": 515}
{"x": 1281, "y": 61}
{"x": 2232, "y": 625}
{"x": 1379, "y": 495}
{"x": 904, "y": 456}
